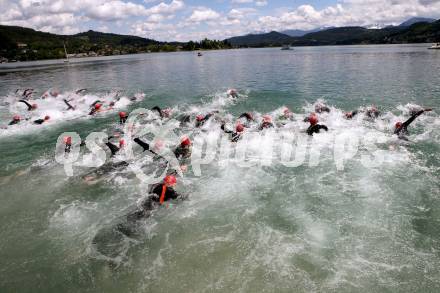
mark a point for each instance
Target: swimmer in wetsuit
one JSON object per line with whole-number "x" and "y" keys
{"x": 15, "y": 120}
{"x": 266, "y": 123}
{"x": 401, "y": 128}
{"x": 122, "y": 117}
{"x": 314, "y": 126}
{"x": 351, "y": 114}
{"x": 41, "y": 121}
{"x": 29, "y": 106}
{"x": 96, "y": 108}
{"x": 69, "y": 106}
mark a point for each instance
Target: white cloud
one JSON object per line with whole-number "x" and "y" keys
{"x": 349, "y": 13}
{"x": 203, "y": 14}
{"x": 169, "y": 20}
{"x": 115, "y": 10}
{"x": 240, "y": 13}
{"x": 261, "y": 3}
{"x": 163, "y": 8}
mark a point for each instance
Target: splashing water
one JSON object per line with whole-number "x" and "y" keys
{"x": 267, "y": 227}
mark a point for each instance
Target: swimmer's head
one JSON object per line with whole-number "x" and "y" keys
{"x": 185, "y": 141}
{"x": 313, "y": 119}
{"x": 170, "y": 180}
{"x": 239, "y": 127}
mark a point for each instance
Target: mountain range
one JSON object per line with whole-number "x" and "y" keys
{"x": 416, "y": 30}
{"x": 19, "y": 43}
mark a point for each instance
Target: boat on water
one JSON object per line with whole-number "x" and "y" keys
{"x": 436, "y": 46}
{"x": 286, "y": 47}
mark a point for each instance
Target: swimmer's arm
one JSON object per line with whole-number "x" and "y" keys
{"x": 413, "y": 117}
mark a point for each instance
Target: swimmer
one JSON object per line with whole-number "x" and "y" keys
{"x": 29, "y": 106}
{"x": 80, "y": 91}
{"x": 96, "y": 108}
{"x": 201, "y": 119}
{"x": 351, "y": 114}
{"x": 15, "y": 120}
{"x": 314, "y": 126}
{"x": 401, "y": 129}
{"x": 183, "y": 150}
{"x": 372, "y": 112}
{"x": 320, "y": 107}
{"x": 266, "y": 122}
{"x": 69, "y": 106}
{"x": 41, "y": 121}
{"x": 122, "y": 117}
{"x": 233, "y": 93}
{"x": 113, "y": 148}
{"x": 67, "y": 144}
{"x": 235, "y": 136}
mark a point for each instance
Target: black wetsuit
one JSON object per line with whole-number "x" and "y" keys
{"x": 39, "y": 121}
{"x": 315, "y": 128}
{"x": 321, "y": 108}
{"x": 30, "y": 108}
{"x": 80, "y": 91}
{"x": 247, "y": 116}
{"x": 265, "y": 125}
{"x": 402, "y": 131}
{"x": 373, "y": 113}
{"x": 113, "y": 148}
{"x": 122, "y": 120}
{"x": 350, "y": 115}
{"x": 182, "y": 152}
{"x": 170, "y": 193}
{"x": 67, "y": 148}
{"x": 158, "y": 110}
{"x": 144, "y": 145}
{"x": 150, "y": 203}
{"x": 235, "y": 136}
{"x": 27, "y": 93}
{"x": 94, "y": 103}
{"x": 13, "y": 122}
{"x": 69, "y": 106}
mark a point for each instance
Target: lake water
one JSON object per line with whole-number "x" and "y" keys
{"x": 257, "y": 229}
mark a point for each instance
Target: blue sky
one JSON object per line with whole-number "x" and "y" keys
{"x": 183, "y": 20}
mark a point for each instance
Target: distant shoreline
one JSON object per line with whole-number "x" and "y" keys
{"x": 78, "y": 60}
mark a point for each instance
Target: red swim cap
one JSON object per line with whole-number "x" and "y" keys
{"x": 121, "y": 143}
{"x": 16, "y": 118}
{"x": 398, "y": 125}
{"x": 185, "y": 141}
{"x": 313, "y": 119}
{"x": 98, "y": 106}
{"x": 239, "y": 127}
{"x": 34, "y": 106}
{"x": 67, "y": 140}
{"x": 47, "y": 117}
{"x": 122, "y": 114}
{"x": 199, "y": 117}
{"x": 170, "y": 180}
{"x": 267, "y": 118}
